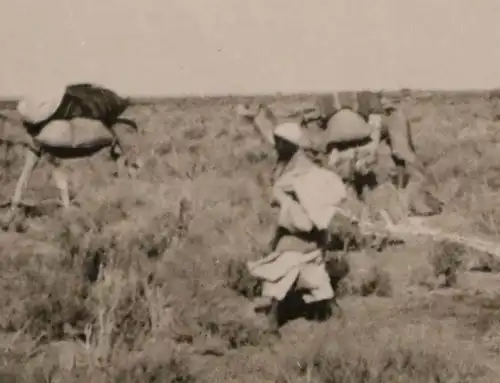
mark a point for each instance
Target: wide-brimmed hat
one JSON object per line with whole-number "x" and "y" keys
{"x": 39, "y": 106}
{"x": 293, "y": 133}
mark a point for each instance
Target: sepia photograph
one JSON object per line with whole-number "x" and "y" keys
{"x": 250, "y": 191}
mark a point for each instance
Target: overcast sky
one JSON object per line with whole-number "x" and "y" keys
{"x": 162, "y": 47}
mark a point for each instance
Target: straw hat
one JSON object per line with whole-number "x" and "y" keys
{"x": 40, "y": 106}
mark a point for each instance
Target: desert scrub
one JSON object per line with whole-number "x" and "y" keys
{"x": 56, "y": 288}
{"x": 446, "y": 258}
{"x": 157, "y": 363}
{"x": 218, "y": 326}
{"x": 365, "y": 276}
{"x": 373, "y": 281}
{"x": 42, "y": 290}
{"x": 400, "y": 365}
{"x": 172, "y": 370}
{"x": 404, "y": 353}
{"x": 239, "y": 279}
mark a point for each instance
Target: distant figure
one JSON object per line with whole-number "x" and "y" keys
{"x": 346, "y": 141}
{"x": 74, "y": 121}
{"x": 396, "y": 132}
{"x": 352, "y": 146}
{"x": 387, "y": 123}
{"x": 394, "y": 128}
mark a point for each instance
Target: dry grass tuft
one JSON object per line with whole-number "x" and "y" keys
{"x": 446, "y": 259}
{"x": 366, "y": 277}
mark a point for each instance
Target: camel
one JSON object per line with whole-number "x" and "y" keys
{"x": 387, "y": 123}
{"x": 391, "y": 126}
{"x": 345, "y": 128}
{"x": 332, "y": 134}
{"x": 76, "y": 121}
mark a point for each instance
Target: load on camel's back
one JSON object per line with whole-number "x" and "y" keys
{"x": 74, "y": 101}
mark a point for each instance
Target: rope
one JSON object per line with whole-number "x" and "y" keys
{"x": 419, "y": 230}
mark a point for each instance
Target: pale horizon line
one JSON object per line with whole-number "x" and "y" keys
{"x": 281, "y": 93}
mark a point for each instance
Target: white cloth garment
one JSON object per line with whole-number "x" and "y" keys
{"x": 319, "y": 192}
{"x": 280, "y": 270}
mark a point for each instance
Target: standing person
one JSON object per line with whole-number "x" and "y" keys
{"x": 307, "y": 196}
{"x": 392, "y": 126}
{"x": 388, "y": 123}
{"x": 395, "y": 129}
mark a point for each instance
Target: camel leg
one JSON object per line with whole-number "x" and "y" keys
{"x": 131, "y": 166}
{"x": 116, "y": 148}
{"x": 365, "y": 183}
{"x": 401, "y": 172}
{"x": 30, "y": 162}
{"x": 61, "y": 182}
{"x": 400, "y": 176}
{"x": 123, "y": 162}
{"x": 122, "y": 166}
{"x": 117, "y": 153}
